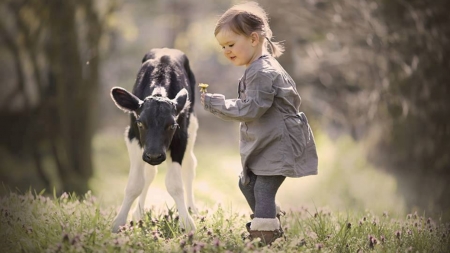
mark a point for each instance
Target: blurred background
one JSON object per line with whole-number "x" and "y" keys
{"x": 373, "y": 76}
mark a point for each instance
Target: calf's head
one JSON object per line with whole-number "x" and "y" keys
{"x": 156, "y": 119}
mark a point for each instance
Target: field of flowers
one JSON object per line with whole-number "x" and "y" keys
{"x": 32, "y": 222}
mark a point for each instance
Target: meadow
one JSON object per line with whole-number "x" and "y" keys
{"x": 349, "y": 207}
{"x": 32, "y": 222}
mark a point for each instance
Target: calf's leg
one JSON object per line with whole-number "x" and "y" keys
{"x": 149, "y": 175}
{"x": 190, "y": 164}
{"x": 135, "y": 183}
{"x": 174, "y": 186}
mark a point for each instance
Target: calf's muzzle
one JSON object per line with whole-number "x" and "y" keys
{"x": 154, "y": 159}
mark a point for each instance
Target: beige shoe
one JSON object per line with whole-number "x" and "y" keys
{"x": 267, "y": 229}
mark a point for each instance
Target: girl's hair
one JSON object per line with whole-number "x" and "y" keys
{"x": 247, "y": 18}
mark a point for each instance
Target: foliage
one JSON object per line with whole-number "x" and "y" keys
{"x": 34, "y": 223}
{"x": 414, "y": 145}
{"x": 52, "y": 57}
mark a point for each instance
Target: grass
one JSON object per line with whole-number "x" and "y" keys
{"x": 355, "y": 214}
{"x": 32, "y": 222}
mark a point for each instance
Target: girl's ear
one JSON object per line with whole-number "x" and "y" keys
{"x": 255, "y": 38}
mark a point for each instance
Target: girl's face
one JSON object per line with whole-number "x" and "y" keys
{"x": 239, "y": 49}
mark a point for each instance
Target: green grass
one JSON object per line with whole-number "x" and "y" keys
{"x": 31, "y": 222}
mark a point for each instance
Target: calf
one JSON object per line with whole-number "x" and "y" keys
{"x": 162, "y": 119}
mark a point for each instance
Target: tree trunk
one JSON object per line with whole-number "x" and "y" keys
{"x": 73, "y": 101}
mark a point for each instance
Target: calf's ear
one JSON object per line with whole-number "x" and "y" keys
{"x": 182, "y": 101}
{"x": 125, "y": 100}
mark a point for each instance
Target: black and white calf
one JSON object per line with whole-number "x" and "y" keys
{"x": 162, "y": 120}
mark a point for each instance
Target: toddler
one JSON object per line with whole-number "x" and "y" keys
{"x": 275, "y": 138}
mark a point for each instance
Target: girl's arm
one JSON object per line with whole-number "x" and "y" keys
{"x": 259, "y": 98}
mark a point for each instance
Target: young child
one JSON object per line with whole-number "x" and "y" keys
{"x": 275, "y": 138}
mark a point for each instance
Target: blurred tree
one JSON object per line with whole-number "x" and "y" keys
{"x": 51, "y": 51}
{"x": 416, "y": 142}
{"x": 378, "y": 70}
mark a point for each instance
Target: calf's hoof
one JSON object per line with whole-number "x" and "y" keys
{"x": 188, "y": 224}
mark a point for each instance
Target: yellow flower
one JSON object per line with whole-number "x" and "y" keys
{"x": 203, "y": 87}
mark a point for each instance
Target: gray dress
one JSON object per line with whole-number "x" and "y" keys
{"x": 275, "y": 138}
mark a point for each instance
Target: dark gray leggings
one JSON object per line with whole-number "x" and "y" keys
{"x": 260, "y": 194}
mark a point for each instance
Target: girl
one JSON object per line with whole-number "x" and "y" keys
{"x": 275, "y": 138}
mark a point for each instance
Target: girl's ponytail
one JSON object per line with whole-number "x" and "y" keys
{"x": 276, "y": 48}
